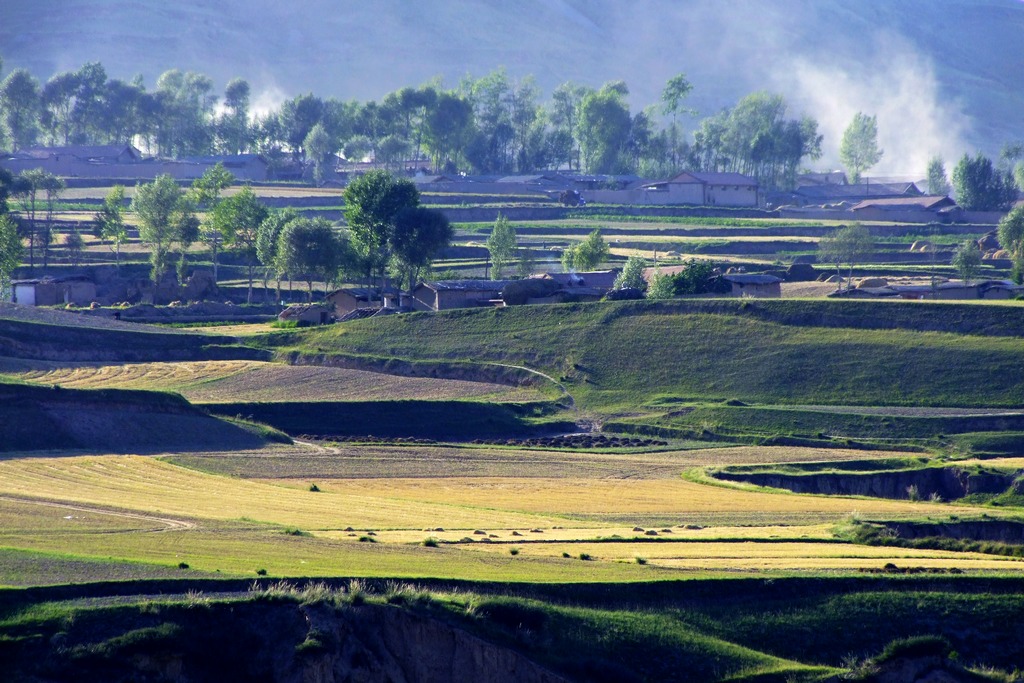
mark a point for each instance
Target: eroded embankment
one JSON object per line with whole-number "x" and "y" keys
{"x": 947, "y": 483}
{"x": 266, "y": 640}
{"x": 110, "y": 420}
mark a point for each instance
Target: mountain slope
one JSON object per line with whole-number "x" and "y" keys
{"x": 943, "y": 77}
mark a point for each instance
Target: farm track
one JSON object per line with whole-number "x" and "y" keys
{"x": 168, "y": 523}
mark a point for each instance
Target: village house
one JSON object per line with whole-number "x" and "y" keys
{"x": 72, "y": 160}
{"x": 242, "y": 166}
{"x": 851, "y": 194}
{"x": 447, "y": 294}
{"x": 706, "y": 189}
{"x": 757, "y": 285}
{"x": 348, "y": 299}
{"x": 76, "y": 290}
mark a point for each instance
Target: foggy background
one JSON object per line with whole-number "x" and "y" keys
{"x": 943, "y": 76}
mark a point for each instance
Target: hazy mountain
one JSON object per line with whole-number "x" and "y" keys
{"x": 943, "y": 76}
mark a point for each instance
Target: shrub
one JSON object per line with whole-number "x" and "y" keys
{"x": 261, "y": 572}
{"x": 430, "y": 542}
{"x": 641, "y": 560}
{"x": 356, "y": 592}
{"x": 513, "y": 551}
{"x": 314, "y": 488}
{"x": 586, "y": 556}
{"x": 367, "y": 539}
{"x": 183, "y": 565}
{"x": 918, "y": 646}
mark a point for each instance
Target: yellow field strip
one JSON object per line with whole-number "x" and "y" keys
{"x": 610, "y": 496}
{"x": 148, "y": 485}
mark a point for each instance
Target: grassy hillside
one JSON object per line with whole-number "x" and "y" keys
{"x": 633, "y": 355}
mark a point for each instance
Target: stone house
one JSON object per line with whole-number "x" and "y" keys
{"x": 447, "y": 294}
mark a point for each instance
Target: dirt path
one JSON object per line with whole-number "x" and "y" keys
{"x": 167, "y": 523}
{"x": 565, "y": 392}
{"x": 317, "y": 448}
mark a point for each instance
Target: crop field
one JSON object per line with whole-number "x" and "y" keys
{"x": 145, "y": 515}
{"x": 222, "y": 381}
{"x": 355, "y": 461}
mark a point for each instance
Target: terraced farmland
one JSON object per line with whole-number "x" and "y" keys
{"x": 236, "y": 380}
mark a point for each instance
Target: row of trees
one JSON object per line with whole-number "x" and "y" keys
{"x": 388, "y": 232}
{"x": 493, "y": 124}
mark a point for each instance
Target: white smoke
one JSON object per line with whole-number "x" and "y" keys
{"x": 268, "y": 99}
{"x": 896, "y": 84}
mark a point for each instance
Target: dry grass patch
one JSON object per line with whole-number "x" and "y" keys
{"x": 236, "y": 380}
{"x": 144, "y": 484}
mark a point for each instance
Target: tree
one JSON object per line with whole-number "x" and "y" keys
{"x": 19, "y": 102}
{"x": 110, "y": 222}
{"x": 662, "y": 286}
{"x": 587, "y": 255}
{"x": 53, "y": 187}
{"x": 11, "y": 250}
{"x": 967, "y": 260}
{"x": 419, "y": 235}
{"x": 268, "y": 243}
{"x": 632, "y": 275}
{"x": 859, "y": 149}
{"x": 27, "y": 188}
{"x": 937, "y": 181}
{"x": 447, "y": 130}
{"x": 502, "y": 245}
{"x": 848, "y": 246}
{"x": 10, "y": 253}
{"x": 372, "y": 203}
{"x": 74, "y": 245}
{"x": 233, "y": 132}
{"x": 676, "y": 90}
{"x": 1011, "y": 238}
{"x": 603, "y": 126}
{"x": 980, "y": 186}
{"x": 310, "y": 250}
{"x": 165, "y": 218}
{"x": 238, "y": 219}
{"x": 319, "y": 147}
{"x": 205, "y": 195}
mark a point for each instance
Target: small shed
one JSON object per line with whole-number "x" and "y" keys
{"x": 307, "y": 314}
{"x": 77, "y": 290}
{"x": 754, "y": 284}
